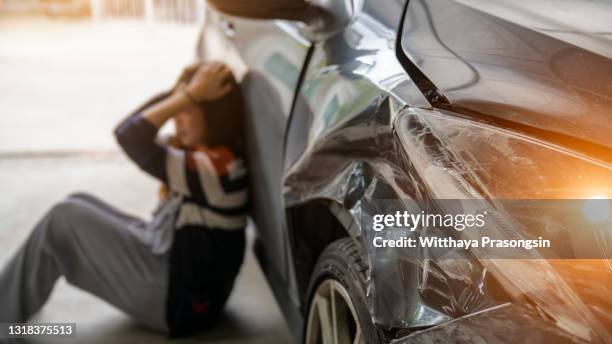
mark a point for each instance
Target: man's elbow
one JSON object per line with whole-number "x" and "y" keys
{"x": 120, "y": 136}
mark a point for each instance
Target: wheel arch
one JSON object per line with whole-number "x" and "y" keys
{"x": 308, "y": 241}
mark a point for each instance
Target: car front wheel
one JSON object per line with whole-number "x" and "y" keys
{"x": 338, "y": 311}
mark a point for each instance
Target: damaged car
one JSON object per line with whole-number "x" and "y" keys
{"x": 359, "y": 105}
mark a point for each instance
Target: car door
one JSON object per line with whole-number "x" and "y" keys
{"x": 267, "y": 57}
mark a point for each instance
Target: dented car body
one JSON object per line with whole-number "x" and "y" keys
{"x": 429, "y": 100}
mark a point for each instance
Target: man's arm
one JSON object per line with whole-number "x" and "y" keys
{"x": 160, "y": 112}
{"x": 209, "y": 82}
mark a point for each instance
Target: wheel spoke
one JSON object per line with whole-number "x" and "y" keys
{"x": 332, "y": 318}
{"x": 325, "y": 319}
{"x": 358, "y": 338}
{"x": 340, "y": 312}
{"x": 334, "y": 314}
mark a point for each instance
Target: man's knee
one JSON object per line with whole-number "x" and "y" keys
{"x": 63, "y": 219}
{"x": 68, "y": 208}
{"x": 79, "y": 196}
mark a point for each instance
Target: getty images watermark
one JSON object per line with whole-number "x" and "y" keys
{"x": 457, "y": 222}
{"x": 504, "y": 229}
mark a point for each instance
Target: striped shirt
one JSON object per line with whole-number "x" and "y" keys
{"x": 210, "y": 181}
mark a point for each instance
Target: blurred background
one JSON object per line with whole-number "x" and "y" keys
{"x": 70, "y": 70}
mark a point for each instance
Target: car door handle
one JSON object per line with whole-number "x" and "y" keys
{"x": 227, "y": 28}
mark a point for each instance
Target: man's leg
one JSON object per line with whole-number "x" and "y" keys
{"x": 29, "y": 276}
{"x": 94, "y": 250}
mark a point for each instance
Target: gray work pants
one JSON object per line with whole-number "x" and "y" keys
{"x": 98, "y": 249}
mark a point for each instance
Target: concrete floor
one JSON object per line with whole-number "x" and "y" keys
{"x": 63, "y": 86}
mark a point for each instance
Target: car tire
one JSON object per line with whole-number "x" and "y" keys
{"x": 337, "y": 308}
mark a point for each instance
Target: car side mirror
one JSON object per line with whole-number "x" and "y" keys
{"x": 263, "y": 9}
{"x": 320, "y": 18}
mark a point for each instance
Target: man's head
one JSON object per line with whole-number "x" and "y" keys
{"x": 214, "y": 122}
{"x": 191, "y": 126}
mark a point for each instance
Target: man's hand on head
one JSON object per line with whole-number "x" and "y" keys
{"x": 210, "y": 81}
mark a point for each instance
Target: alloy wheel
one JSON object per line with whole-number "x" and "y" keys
{"x": 332, "y": 318}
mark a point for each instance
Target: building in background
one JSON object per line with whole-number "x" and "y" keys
{"x": 181, "y": 11}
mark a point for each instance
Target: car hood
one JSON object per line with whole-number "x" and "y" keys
{"x": 538, "y": 67}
